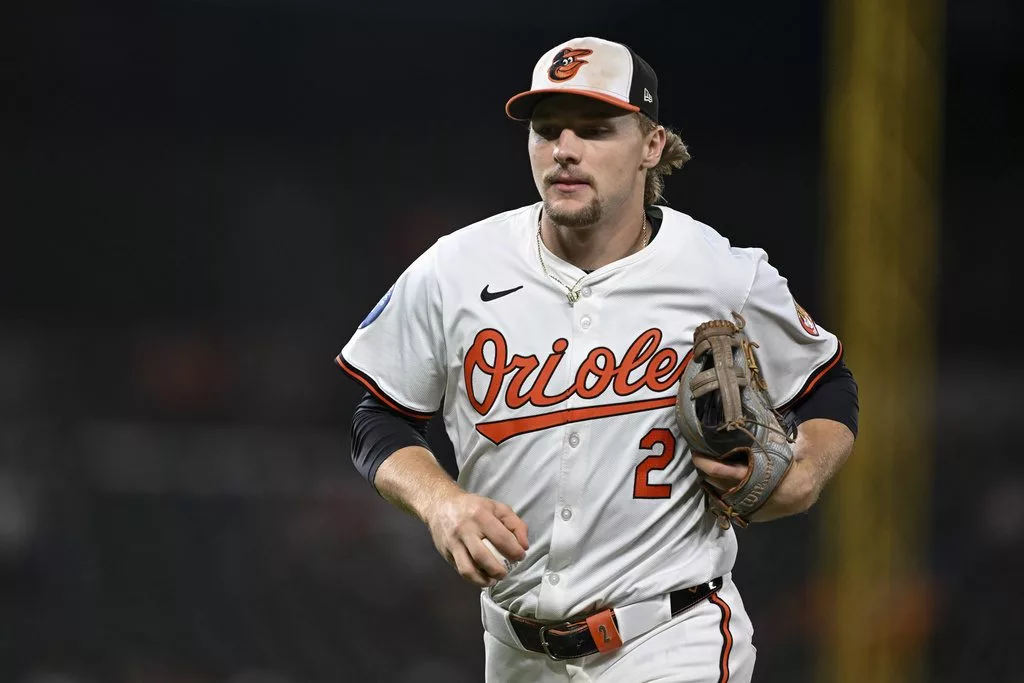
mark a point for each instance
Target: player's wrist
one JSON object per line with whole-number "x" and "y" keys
{"x": 796, "y": 494}
{"x": 439, "y": 499}
{"x": 413, "y": 480}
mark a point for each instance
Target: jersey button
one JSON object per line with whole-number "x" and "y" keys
{"x": 585, "y": 322}
{"x": 566, "y": 514}
{"x": 574, "y": 439}
{"x": 554, "y": 579}
{"x": 586, "y": 291}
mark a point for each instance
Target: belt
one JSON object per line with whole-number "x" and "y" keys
{"x": 598, "y": 632}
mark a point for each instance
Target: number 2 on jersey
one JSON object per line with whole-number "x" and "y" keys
{"x": 642, "y": 488}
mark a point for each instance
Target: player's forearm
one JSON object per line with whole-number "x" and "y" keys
{"x": 413, "y": 480}
{"x": 821, "y": 448}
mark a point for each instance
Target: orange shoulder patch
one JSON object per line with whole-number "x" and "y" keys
{"x": 806, "y": 321}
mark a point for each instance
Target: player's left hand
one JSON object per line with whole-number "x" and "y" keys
{"x": 723, "y": 475}
{"x": 797, "y": 491}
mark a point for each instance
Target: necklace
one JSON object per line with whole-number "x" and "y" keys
{"x": 573, "y": 293}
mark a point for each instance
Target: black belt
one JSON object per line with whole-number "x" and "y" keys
{"x": 597, "y": 632}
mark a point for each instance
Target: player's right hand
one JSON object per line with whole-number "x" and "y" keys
{"x": 458, "y": 523}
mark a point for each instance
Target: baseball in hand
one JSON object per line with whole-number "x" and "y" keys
{"x": 509, "y": 564}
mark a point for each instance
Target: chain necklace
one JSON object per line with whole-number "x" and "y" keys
{"x": 573, "y": 293}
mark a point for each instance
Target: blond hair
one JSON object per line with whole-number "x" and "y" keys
{"x": 673, "y": 156}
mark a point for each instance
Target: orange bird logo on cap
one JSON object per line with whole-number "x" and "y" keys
{"x": 566, "y": 63}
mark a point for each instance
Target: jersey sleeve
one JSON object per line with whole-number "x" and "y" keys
{"x": 794, "y": 352}
{"x": 398, "y": 351}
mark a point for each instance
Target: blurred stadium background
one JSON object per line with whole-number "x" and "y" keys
{"x": 202, "y": 198}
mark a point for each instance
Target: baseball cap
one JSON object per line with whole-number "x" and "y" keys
{"x": 592, "y": 67}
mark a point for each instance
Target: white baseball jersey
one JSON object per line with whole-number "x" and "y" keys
{"x": 566, "y": 412}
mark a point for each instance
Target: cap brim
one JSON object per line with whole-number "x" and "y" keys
{"x": 520, "y": 107}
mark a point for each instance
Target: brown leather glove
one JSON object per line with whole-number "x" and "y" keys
{"x": 724, "y": 412}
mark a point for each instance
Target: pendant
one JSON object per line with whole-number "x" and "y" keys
{"x": 573, "y": 297}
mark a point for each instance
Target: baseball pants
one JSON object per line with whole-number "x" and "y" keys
{"x": 709, "y": 643}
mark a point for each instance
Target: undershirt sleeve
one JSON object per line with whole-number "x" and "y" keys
{"x": 378, "y": 431}
{"x": 834, "y": 398}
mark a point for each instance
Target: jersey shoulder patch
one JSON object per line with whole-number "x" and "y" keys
{"x": 806, "y": 321}
{"x": 378, "y": 309}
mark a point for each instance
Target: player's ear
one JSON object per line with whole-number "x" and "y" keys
{"x": 654, "y": 143}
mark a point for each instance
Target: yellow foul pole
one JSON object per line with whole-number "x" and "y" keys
{"x": 882, "y": 143}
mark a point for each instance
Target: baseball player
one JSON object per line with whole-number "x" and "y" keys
{"x": 552, "y": 339}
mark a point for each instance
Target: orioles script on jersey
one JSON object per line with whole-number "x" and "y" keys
{"x": 651, "y": 367}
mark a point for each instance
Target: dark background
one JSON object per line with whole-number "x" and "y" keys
{"x": 202, "y": 199}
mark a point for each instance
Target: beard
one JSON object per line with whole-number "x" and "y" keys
{"x": 578, "y": 218}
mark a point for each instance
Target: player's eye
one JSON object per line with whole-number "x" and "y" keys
{"x": 592, "y": 131}
{"x": 547, "y": 132}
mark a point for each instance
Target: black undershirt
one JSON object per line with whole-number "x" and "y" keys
{"x": 378, "y": 431}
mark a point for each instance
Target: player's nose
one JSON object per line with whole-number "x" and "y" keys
{"x": 568, "y": 148}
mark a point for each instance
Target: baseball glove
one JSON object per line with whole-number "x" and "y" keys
{"x": 724, "y": 412}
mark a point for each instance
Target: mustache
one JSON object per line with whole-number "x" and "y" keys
{"x": 559, "y": 176}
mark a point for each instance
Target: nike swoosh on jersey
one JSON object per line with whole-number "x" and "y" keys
{"x": 486, "y": 295}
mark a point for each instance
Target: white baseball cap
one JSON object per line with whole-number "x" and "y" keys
{"x": 592, "y": 67}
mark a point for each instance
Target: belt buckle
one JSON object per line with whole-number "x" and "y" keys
{"x": 542, "y": 632}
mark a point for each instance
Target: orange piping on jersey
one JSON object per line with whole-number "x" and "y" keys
{"x": 502, "y": 430}
{"x": 372, "y": 387}
{"x": 821, "y": 373}
{"x": 723, "y": 664}
{"x": 815, "y": 378}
